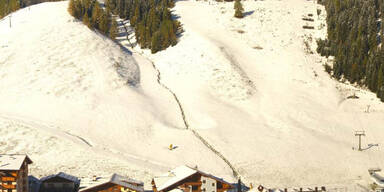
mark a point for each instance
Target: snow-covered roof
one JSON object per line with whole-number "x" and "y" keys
{"x": 62, "y": 175}
{"x": 122, "y": 181}
{"x": 13, "y": 162}
{"x": 178, "y": 174}
{"x": 173, "y": 176}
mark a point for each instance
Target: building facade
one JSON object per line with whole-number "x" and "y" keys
{"x": 14, "y": 173}
{"x": 60, "y": 182}
{"x": 186, "y": 179}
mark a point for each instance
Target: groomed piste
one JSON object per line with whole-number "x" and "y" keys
{"x": 247, "y": 86}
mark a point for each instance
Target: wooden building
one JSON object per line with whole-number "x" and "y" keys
{"x": 117, "y": 183}
{"x": 60, "y": 182}
{"x": 33, "y": 184}
{"x": 186, "y": 179}
{"x": 14, "y": 173}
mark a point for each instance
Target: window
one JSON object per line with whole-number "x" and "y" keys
{"x": 213, "y": 184}
{"x": 194, "y": 187}
{"x": 203, "y": 181}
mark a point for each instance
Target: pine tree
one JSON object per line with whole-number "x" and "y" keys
{"x": 136, "y": 15}
{"x": 141, "y": 35}
{"x": 78, "y": 9}
{"x": 2, "y": 9}
{"x": 86, "y": 20}
{"x": 156, "y": 42}
{"x": 238, "y": 9}
{"x": 380, "y": 81}
{"x": 96, "y": 15}
{"x": 103, "y": 23}
{"x": 87, "y": 5}
{"x": 151, "y": 20}
{"x": 113, "y": 30}
{"x": 72, "y": 8}
{"x": 165, "y": 34}
{"x": 14, "y": 5}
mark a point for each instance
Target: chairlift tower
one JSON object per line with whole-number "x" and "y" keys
{"x": 359, "y": 134}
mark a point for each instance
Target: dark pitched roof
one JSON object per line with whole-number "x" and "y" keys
{"x": 33, "y": 178}
{"x": 62, "y": 175}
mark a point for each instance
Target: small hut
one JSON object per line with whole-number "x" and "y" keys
{"x": 34, "y": 184}
{"x": 60, "y": 182}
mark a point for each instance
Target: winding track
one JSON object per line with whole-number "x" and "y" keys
{"x": 182, "y": 112}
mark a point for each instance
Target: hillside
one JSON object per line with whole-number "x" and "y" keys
{"x": 63, "y": 102}
{"x": 252, "y": 90}
{"x": 248, "y": 87}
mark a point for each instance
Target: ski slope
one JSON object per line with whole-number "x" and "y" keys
{"x": 63, "y": 102}
{"x": 252, "y": 91}
{"x": 247, "y": 87}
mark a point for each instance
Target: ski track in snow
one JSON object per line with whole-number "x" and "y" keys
{"x": 255, "y": 103}
{"x": 69, "y": 89}
{"x": 204, "y": 141}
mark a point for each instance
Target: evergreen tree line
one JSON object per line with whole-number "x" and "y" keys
{"x": 94, "y": 16}
{"x": 355, "y": 34}
{"x": 154, "y": 26}
{"x": 9, "y": 6}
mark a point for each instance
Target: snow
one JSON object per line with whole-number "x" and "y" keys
{"x": 173, "y": 176}
{"x": 246, "y": 85}
{"x": 12, "y": 162}
{"x": 266, "y": 104}
{"x": 64, "y": 104}
{"x": 176, "y": 175}
{"x": 122, "y": 181}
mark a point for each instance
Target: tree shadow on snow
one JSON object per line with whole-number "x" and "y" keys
{"x": 248, "y": 13}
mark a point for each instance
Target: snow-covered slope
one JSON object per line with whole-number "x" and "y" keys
{"x": 247, "y": 86}
{"x": 250, "y": 88}
{"x": 63, "y": 102}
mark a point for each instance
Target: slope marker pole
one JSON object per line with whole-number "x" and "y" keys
{"x": 359, "y": 134}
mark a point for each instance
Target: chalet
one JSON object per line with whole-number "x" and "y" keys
{"x": 60, "y": 182}
{"x": 14, "y": 173}
{"x": 117, "y": 183}
{"x": 186, "y": 179}
{"x": 33, "y": 184}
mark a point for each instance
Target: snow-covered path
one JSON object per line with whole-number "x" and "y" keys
{"x": 59, "y": 79}
{"x": 273, "y": 112}
{"x": 246, "y": 86}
